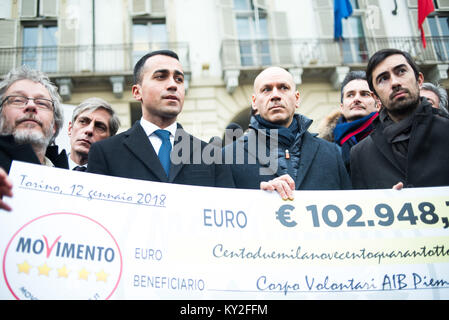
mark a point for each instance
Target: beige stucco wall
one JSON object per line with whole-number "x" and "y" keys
{"x": 209, "y": 108}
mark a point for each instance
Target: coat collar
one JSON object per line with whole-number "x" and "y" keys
{"x": 422, "y": 117}
{"x": 59, "y": 159}
{"x": 24, "y": 152}
{"x": 309, "y": 150}
{"x": 139, "y": 144}
{"x": 188, "y": 148}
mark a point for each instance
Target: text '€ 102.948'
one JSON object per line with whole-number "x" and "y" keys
{"x": 333, "y": 216}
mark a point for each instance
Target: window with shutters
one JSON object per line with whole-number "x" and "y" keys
{"x": 148, "y": 35}
{"x": 38, "y": 8}
{"x": 252, "y": 33}
{"x": 38, "y": 35}
{"x": 155, "y": 8}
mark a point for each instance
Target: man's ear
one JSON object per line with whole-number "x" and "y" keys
{"x": 420, "y": 79}
{"x": 253, "y": 103}
{"x": 136, "y": 90}
{"x": 297, "y": 96}
{"x": 378, "y": 103}
{"x": 70, "y": 129}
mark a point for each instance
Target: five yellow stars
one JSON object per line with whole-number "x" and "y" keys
{"x": 63, "y": 272}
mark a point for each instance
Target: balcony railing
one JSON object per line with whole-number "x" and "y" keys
{"x": 235, "y": 54}
{"x": 241, "y": 54}
{"x": 88, "y": 59}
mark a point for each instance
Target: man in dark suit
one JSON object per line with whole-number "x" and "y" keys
{"x": 297, "y": 160}
{"x": 92, "y": 120}
{"x": 408, "y": 146}
{"x": 156, "y": 148}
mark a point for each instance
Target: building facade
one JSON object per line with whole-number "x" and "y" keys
{"x": 89, "y": 48}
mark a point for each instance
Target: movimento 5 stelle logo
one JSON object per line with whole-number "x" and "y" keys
{"x": 62, "y": 256}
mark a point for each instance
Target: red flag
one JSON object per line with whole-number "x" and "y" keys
{"x": 425, "y": 7}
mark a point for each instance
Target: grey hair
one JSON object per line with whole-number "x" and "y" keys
{"x": 26, "y": 73}
{"x": 94, "y": 103}
{"x": 441, "y": 94}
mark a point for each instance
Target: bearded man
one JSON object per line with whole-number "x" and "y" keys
{"x": 409, "y": 143}
{"x": 30, "y": 119}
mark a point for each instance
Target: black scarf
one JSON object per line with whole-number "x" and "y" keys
{"x": 398, "y": 136}
{"x": 286, "y": 136}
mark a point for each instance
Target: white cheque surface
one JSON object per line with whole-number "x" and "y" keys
{"x": 74, "y": 235}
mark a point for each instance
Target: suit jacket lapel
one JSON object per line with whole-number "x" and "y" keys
{"x": 309, "y": 149}
{"x": 251, "y": 145}
{"x": 421, "y": 128}
{"x": 139, "y": 144}
{"x": 184, "y": 148}
{"x": 177, "y": 164}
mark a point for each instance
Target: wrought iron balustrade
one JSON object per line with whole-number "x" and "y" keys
{"x": 241, "y": 54}
{"x": 86, "y": 59}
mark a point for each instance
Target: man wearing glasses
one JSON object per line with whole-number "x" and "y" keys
{"x": 30, "y": 120}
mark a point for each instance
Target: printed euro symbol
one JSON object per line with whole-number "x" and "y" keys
{"x": 283, "y": 215}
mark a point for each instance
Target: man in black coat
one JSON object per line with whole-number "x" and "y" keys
{"x": 92, "y": 120}
{"x": 156, "y": 148}
{"x": 409, "y": 145}
{"x": 30, "y": 120}
{"x": 278, "y": 153}
{"x": 11, "y": 150}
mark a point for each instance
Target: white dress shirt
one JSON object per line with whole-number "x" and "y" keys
{"x": 149, "y": 129}
{"x": 73, "y": 164}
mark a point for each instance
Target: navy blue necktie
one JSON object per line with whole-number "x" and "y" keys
{"x": 164, "y": 151}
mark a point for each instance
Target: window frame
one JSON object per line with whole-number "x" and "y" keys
{"x": 138, "y": 49}
{"x": 40, "y": 51}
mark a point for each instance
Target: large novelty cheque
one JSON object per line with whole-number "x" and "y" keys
{"x": 75, "y": 235}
